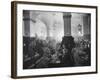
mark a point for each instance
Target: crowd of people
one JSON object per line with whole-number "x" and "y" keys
{"x": 49, "y": 53}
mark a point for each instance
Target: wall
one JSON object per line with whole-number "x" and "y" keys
{"x": 76, "y": 20}
{"x": 5, "y": 41}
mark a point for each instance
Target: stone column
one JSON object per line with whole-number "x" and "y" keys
{"x": 67, "y": 23}
{"x": 67, "y": 40}
{"x": 26, "y": 21}
{"x": 26, "y": 32}
{"x": 86, "y": 26}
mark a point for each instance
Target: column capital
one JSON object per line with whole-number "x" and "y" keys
{"x": 67, "y": 15}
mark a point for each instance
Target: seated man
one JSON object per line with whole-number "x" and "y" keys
{"x": 67, "y": 46}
